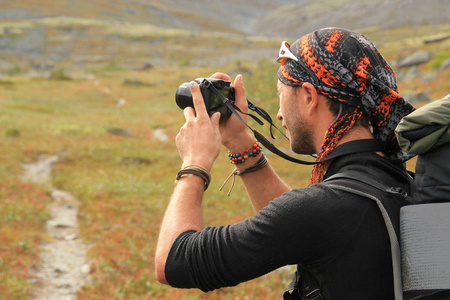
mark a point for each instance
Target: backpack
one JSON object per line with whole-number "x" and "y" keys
{"x": 420, "y": 236}
{"x": 425, "y": 226}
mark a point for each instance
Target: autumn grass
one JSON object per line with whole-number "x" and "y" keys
{"x": 124, "y": 182}
{"x": 23, "y": 216}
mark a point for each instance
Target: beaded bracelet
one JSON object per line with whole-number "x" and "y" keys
{"x": 240, "y": 157}
{"x": 198, "y": 171}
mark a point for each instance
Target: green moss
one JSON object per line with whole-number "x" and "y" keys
{"x": 439, "y": 59}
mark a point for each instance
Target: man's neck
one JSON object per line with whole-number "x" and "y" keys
{"x": 356, "y": 133}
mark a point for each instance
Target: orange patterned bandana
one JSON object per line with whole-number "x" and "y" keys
{"x": 346, "y": 67}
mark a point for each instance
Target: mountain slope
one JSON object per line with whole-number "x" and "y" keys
{"x": 300, "y": 18}
{"x": 210, "y": 15}
{"x": 48, "y": 34}
{"x": 275, "y": 18}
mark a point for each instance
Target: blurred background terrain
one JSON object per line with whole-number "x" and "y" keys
{"x": 93, "y": 83}
{"x": 80, "y": 34}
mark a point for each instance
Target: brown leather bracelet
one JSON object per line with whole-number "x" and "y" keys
{"x": 261, "y": 163}
{"x": 197, "y": 171}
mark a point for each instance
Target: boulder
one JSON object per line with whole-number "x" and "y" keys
{"x": 416, "y": 97}
{"x": 445, "y": 64}
{"x": 414, "y": 59}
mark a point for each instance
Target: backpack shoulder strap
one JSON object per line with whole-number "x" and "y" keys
{"x": 360, "y": 184}
{"x": 357, "y": 182}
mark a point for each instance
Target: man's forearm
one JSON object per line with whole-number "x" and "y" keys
{"x": 183, "y": 213}
{"x": 263, "y": 185}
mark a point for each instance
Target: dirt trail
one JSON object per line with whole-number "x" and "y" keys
{"x": 63, "y": 268}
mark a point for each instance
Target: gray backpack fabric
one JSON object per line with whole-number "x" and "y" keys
{"x": 425, "y": 226}
{"x": 426, "y": 132}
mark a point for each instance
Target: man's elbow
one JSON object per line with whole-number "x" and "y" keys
{"x": 160, "y": 271}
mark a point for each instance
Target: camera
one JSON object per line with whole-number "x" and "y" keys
{"x": 218, "y": 96}
{"x": 209, "y": 88}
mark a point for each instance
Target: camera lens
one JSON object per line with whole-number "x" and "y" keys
{"x": 183, "y": 96}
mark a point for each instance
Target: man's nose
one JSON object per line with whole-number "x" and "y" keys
{"x": 279, "y": 116}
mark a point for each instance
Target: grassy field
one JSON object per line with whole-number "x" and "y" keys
{"x": 124, "y": 182}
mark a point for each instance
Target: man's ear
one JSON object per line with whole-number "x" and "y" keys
{"x": 312, "y": 97}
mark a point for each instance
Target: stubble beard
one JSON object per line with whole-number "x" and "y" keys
{"x": 302, "y": 138}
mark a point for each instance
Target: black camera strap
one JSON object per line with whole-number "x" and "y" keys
{"x": 250, "y": 106}
{"x": 368, "y": 145}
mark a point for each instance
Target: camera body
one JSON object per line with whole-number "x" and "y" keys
{"x": 213, "y": 102}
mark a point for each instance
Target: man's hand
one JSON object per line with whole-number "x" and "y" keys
{"x": 198, "y": 141}
{"x": 235, "y": 135}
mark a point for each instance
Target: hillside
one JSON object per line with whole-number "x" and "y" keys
{"x": 305, "y": 16}
{"x": 138, "y": 34}
{"x": 234, "y": 16}
{"x": 275, "y": 18}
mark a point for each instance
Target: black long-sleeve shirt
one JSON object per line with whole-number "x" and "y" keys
{"x": 339, "y": 237}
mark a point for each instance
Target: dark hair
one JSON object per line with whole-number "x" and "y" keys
{"x": 334, "y": 107}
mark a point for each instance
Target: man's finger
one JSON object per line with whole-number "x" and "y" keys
{"x": 222, "y": 76}
{"x": 189, "y": 113}
{"x": 199, "y": 103}
{"x": 215, "y": 118}
{"x": 241, "y": 100}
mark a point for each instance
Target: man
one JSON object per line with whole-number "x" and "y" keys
{"x": 332, "y": 84}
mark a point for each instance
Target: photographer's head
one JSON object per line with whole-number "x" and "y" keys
{"x": 359, "y": 86}
{"x": 294, "y": 113}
